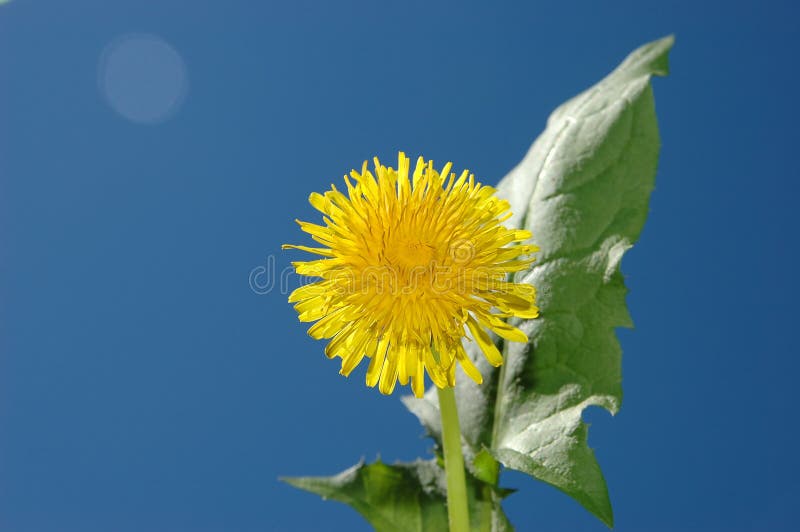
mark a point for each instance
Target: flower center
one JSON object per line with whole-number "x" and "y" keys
{"x": 410, "y": 254}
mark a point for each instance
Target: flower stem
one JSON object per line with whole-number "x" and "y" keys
{"x": 457, "y": 510}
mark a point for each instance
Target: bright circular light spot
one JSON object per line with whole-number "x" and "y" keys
{"x": 142, "y": 78}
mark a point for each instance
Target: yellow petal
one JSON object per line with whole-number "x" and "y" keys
{"x": 485, "y": 343}
{"x": 467, "y": 365}
{"x": 389, "y": 375}
{"x": 376, "y": 364}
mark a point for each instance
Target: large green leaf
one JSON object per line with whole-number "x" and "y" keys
{"x": 583, "y": 191}
{"x": 406, "y": 497}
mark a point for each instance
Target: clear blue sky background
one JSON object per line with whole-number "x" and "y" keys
{"x": 145, "y": 386}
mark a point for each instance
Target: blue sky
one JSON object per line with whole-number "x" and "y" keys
{"x": 145, "y": 386}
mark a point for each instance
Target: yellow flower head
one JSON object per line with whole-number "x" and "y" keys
{"x": 410, "y": 264}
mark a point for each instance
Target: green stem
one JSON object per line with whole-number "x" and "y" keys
{"x": 457, "y": 510}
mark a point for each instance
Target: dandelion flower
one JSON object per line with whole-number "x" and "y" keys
{"x": 412, "y": 263}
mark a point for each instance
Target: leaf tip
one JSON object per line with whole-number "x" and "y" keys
{"x": 296, "y": 482}
{"x": 607, "y": 517}
{"x": 651, "y": 58}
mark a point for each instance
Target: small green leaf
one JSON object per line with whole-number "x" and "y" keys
{"x": 486, "y": 468}
{"x": 583, "y": 191}
{"x": 406, "y": 497}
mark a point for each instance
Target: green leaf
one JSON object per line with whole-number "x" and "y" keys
{"x": 583, "y": 191}
{"x": 406, "y": 497}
